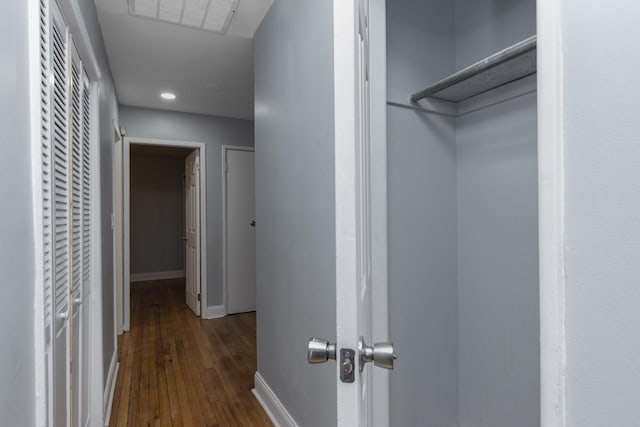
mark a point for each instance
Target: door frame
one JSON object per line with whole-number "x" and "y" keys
{"x": 126, "y": 204}
{"x": 225, "y": 284}
{"x": 551, "y": 214}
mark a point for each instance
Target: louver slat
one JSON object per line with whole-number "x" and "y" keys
{"x": 60, "y": 166}
{"x": 45, "y": 137}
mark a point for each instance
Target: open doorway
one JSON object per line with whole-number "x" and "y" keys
{"x": 164, "y": 210}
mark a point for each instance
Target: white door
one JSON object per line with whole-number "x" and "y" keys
{"x": 240, "y": 236}
{"x": 192, "y": 223}
{"x": 361, "y": 218}
{"x": 59, "y": 219}
{"x": 67, "y": 217}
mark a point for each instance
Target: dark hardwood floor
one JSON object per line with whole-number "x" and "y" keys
{"x": 179, "y": 370}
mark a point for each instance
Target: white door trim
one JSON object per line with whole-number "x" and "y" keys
{"x": 118, "y": 240}
{"x": 127, "y": 212}
{"x": 356, "y": 312}
{"x": 225, "y": 149}
{"x": 379, "y": 206}
{"x": 551, "y": 193}
{"x": 346, "y": 211}
{"x": 97, "y": 354}
{"x": 42, "y": 416}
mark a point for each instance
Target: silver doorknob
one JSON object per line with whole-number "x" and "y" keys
{"x": 380, "y": 354}
{"x": 252, "y": 223}
{"x": 319, "y": 350}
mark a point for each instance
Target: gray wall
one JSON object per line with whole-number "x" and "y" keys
{"x": 108, "y": 111}
{"x": 215, "y": 132}
{"x": 602, "y": 212}
{"x": 422, "y": 220}
{"x": 497, "y": 230}
{"x": 498, "y": 266}
{"x": 295, "y": 204}
{"x": 484, "y": 27}
{"x": 17, "y": 258}
{"x": 156, "y": 214}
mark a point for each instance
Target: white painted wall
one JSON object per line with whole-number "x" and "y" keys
{"x": 17, "y": 257}
{"x": 213, "y": 131}
{"x": 600, "y": 117}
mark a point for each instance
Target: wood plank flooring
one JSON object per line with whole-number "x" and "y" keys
{"x": 179, "y": 370}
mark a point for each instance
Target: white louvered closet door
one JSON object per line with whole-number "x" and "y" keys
{"x": 66, "y": 123}
{"x": 60, "y": 152}
{"x": 46, "y": 106}
{"x": 85, "y": 337}
{"x": 76, "y": 181}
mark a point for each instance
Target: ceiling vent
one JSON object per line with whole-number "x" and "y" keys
{"x": 210, "y": 15}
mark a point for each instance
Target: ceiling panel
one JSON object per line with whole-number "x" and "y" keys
{"x": 146, "y": 8}
{"x": 169, "y": 11}
{"x": 210, "y": 15}
{"x": 209, "y": 73}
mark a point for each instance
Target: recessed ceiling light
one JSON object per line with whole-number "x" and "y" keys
{"x": 168, "y": 96}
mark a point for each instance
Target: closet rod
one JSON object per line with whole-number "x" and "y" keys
{"x": 518, "y": 60}
{"x": 421, "y": 109}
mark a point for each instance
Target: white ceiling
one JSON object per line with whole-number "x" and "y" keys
{"x": 210, "y": 73}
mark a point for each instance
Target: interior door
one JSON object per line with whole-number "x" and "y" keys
{"x": 192, "y": 216}
{"x": 240, "y": 236}
{"x": 361, "y": 214}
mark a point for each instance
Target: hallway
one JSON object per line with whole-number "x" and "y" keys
{"x": 178, "y": 370}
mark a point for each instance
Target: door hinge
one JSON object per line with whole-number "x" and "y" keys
{"x": 199, "y": 297}
{"x": 226, "y": 168}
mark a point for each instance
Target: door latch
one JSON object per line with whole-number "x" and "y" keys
{"x": 347, "y": 362}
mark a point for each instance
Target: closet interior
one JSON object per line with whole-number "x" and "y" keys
{"x": 463, "y": 212}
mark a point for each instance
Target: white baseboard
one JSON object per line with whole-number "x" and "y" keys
{"x": 157, "y": 275}
{"x": 110, "y": 388}
{"x": 215, "y": 312}
{"x": 276, "y": 411}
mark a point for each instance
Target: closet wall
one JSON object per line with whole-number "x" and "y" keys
{"x": 422, "y": 219}
{"x": 463, "y": 222}
{"x": 498, "y": 372}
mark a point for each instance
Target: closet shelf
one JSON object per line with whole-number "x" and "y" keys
{"x": 508, "y": 65}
